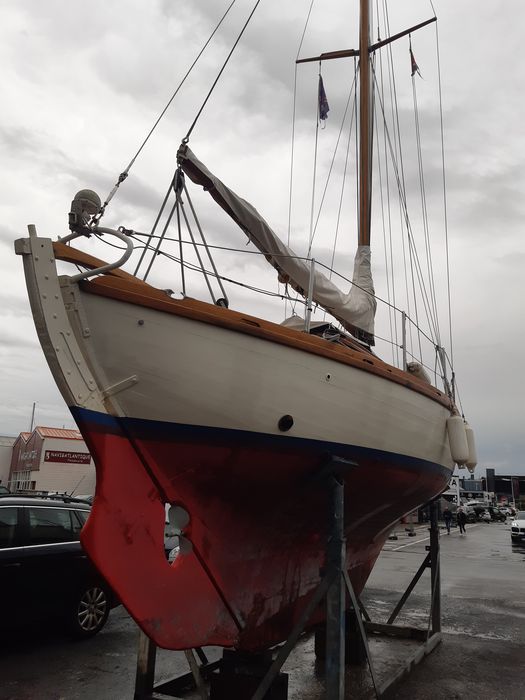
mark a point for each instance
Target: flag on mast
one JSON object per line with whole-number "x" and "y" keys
{"x": 415, "y": 67}
{"x": 323, "y": 102}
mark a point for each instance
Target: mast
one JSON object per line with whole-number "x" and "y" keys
{"x": 365, "y": 119}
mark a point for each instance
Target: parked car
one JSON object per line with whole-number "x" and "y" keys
{"x": 479, "y": 509}
{"x": 88, "y": 499}
{"x": 44, "y": 573}
{"x": 517, "y": 527}
{"x": 497, "y": 514}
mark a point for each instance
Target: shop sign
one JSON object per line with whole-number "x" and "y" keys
{"x": 67, "y": 457}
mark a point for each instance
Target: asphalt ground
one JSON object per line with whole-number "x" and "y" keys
{"x": 482, "y": 654}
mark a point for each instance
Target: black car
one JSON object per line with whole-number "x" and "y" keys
{"x": 497, "y": 514}
{"x": 44, "y": 572}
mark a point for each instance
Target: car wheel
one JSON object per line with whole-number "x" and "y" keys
{"x": 90, "y": 611}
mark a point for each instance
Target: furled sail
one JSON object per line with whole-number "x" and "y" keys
{"x": 355, "y": 310}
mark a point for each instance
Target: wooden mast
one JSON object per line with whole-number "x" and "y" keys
{"x": 365, "y": 119}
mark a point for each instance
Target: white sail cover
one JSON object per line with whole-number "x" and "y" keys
{"x": 355, "y": 310}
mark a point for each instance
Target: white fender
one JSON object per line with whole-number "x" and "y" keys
{"x": 457, "y": 438}
{"x": 472, "y": 454}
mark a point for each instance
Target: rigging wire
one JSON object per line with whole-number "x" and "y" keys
{"x": 424, "y": 210}
{"x": 178, "y": 175}
{"x": 410, "y": 247}
{"x": 313, "y": 232}
{"x": 430, "y": 298}
{"x": 388, "y": 249}
{"x": 292, "y": 146}
{"x": 398, "y": 150}
{"x": 155, "y": 224}
{"x": 187, "y": 137}
{"x": 387, "y": 273}
{"x": 314, "y": 175}
{"x": 432, "y": 318}
{"x": 123, "y": 175}
{"x": 343, "y": 179}
{"x": 444, "y": 193}
{"x": 407, "y": 223}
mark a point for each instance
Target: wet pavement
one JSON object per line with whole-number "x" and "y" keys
{"x": 482, "y": 654}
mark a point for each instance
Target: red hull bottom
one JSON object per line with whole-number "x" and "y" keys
{"x": 258, "y": 528}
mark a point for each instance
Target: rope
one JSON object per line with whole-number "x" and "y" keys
{"x": 187, "y": 137}
{"x": 125, "y": 173}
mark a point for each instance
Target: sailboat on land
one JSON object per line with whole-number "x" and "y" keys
{"x": 232, "y": 419}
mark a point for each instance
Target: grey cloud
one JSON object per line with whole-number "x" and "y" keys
{"x": 20, "y": 142}
{"x": 14, "y": 306}
{"x": 15, "y": 342}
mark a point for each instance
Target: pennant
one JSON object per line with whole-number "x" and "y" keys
{"x": 323, "y": 102}
{"x": 415, "y": 67}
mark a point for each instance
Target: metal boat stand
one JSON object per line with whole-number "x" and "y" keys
{"x": 429, "y": 637}
{"x": 334, "y": 586}
{"x": 145, "y": 688}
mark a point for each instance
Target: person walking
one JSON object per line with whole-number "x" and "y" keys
{"x": 462, "y": 519}
{"x": 447, "y": 517}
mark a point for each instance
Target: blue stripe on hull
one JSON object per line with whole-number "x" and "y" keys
{"x": 144, "y": 429}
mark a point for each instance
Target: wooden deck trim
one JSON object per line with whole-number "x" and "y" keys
{"x": 78, "y": 257}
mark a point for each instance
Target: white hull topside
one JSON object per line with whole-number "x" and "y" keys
{"x": 133, "y": 361}
{"x": 192, "y": 373}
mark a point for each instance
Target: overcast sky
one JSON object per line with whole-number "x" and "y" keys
{"x": 83, "y": 83}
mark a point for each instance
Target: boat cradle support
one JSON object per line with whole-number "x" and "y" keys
{"x": 334, "y": 586}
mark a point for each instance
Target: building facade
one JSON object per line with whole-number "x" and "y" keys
{"x": 499, "y": 489}
{"x": 6, "y": 451}
{"x": 52, "y": 460}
